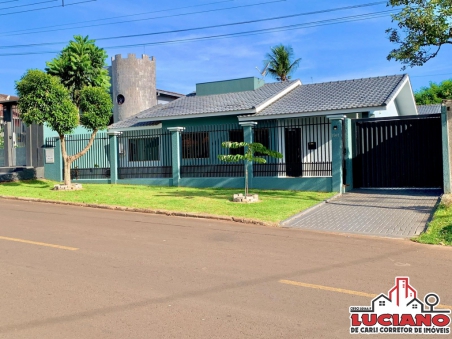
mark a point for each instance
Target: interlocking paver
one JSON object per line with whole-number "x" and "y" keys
{"x": 390, "y": 213}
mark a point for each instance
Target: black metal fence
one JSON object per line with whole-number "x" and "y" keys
{"x": 200, "y": 147}
{"x": 95, "y": 164}
{"x": 305, "y": 144}
{"x": 50, "y": 142}
{"x": 145, "y": 154}
{"x": 399, "y": 152}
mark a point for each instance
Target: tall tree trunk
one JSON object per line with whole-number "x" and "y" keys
{"x": 68, "y": 160}
{"x": 246, "y": 179}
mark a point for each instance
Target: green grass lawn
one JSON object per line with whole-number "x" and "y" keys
{"x": 275, "y": 206}
{"x": 439, "y": 230}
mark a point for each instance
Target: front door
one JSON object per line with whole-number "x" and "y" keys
{"x": 293, "y": 152}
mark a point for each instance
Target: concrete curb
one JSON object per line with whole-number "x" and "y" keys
{"x": 310, "y": 209}
{"x": 148, "y": 211}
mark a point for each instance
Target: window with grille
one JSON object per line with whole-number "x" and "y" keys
{"x": 382, "y": 303}
{"x": 195, "y": 145}
{"x": 144, "y": 149}
{"x": 414, "y": 306}
{"x": 262, "y": 136}
{"x": 236, "y": 135}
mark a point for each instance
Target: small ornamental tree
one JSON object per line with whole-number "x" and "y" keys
{"x": 249, "y": 155}
{"x": 44, "y": 100}
{"x": 80, "y": 64}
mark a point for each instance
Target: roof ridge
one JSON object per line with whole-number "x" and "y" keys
{"x": 352, "y": 80}
{"x": 392, "y": 94}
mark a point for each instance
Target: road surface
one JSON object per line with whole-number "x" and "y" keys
{"x": 73, "y": 272}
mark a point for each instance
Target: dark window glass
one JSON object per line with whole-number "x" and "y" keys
{"x": 262, "y": 136}
{"x": 145, "y": 149}
{"x": 195, "y": 145}
{"x": 236, "y": 135}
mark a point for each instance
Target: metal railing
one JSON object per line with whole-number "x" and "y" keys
{"x": 95, "y": 164}
{"x": 304, "y": 142}
{"x": 145, "y": 154}
{"x": 200, "y": 147}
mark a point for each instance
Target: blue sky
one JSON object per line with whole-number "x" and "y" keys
{"x": 330, "y": 52}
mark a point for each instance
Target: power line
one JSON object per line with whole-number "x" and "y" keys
{"x": 146, "y": 19}
{"x": 27, "y": 5}
{"x": 326, "y": 22}
{"x": 203, "y": 27}
{"x": 115, "y": 17}
{"x": 43, "y": 8}
{"x": 429, "y": 75}
{"x": 4, "y": 2}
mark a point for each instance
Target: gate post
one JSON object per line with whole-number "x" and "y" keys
{"x": 445, "y": 117}
{"x": 337, "y": 151}
{"x": 248, "y": 137}
{"x": 175, "y": 153}
{"x": 113, "y": 140}
{"x": 348, "y": 153}
{"x": 8, "y": 136}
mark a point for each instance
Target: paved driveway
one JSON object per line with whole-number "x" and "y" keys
{"x": 390, "y": 213}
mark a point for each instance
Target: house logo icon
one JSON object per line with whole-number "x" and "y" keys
{"x": 401, "y": 312}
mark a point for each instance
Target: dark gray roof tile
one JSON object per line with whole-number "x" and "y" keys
{"x": 429, "y": 109}
{"x": 133, "y": 123}
{"x": 228, "y": 102}
{"x": 337, "y": 95}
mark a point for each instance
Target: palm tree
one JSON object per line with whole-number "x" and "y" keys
{"x": 80, "y": 64}
{"x": 280, "y": 64}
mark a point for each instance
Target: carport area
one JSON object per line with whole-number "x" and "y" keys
{"x": 397, "y": 213}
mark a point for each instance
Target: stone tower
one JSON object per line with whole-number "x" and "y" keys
{"x": 133, "y": 85}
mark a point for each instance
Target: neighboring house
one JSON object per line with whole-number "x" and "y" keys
{"x": 5, "y": 98}
{"x": 288, "y": 117}
{"x": 429, "y": 109}
{"x": 164, "y": 97}
{"x": 14, "y": 138}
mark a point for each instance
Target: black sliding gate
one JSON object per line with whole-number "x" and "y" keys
{"x": 399, "y": 152}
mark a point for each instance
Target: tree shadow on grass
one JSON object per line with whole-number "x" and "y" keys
{"x": 446, "y": 234}
{"x": 27, "y": 183}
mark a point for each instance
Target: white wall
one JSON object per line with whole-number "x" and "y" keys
{"x": 390, "y": 111}
{"x": 309, "y": 133}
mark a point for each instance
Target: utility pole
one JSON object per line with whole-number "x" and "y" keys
{"x": 62, "y": 2}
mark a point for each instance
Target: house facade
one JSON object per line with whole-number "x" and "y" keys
{"x": 322, "y": 130}
{"x": 288, "y": 117}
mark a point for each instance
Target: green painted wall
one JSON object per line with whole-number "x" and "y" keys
{"x": 337, "y": 154}
{"x": 294, "y": 184}
{"x": 210, "y": 121}
{"x": 54, "y": 171}
{"x": 79, "y": 130}
{"x": 229, "y": 86}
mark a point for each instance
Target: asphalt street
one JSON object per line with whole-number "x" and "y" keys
{"x": 73, "y": 272}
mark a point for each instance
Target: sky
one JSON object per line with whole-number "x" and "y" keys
{"x": 34, "y": 31}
